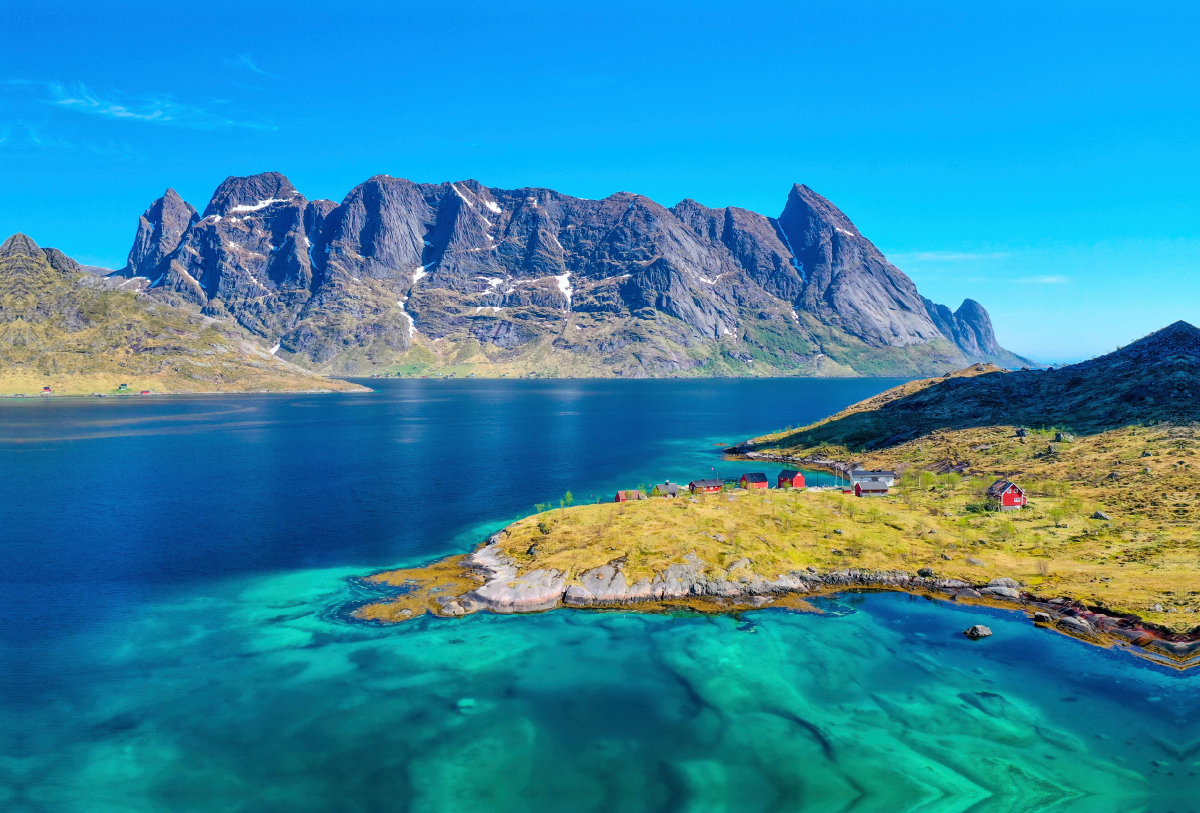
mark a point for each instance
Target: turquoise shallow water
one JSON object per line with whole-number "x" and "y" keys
{"x": 150, "y": 666}
{"x": 258, "y": 696}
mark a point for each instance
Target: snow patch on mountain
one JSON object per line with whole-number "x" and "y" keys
{"x": 254, "y": 207}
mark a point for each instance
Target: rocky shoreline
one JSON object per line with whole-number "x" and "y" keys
{"x": 505, "y": 590}
{"x": 743, "y": 451}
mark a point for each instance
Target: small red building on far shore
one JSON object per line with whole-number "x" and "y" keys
{"x": 789, "y": 478}
{"x": 631, "y": 494}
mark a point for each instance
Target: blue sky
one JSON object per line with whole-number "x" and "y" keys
{"x": 1040, "y": 158}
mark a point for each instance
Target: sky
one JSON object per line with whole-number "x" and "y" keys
{"x": 1040, "y": 158}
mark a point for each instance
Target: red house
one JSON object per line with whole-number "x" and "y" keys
{"x": 45, "y": 390}
{"x": 145, "y": 392}
{"x": 706, "y": 486}
{"x": 631, "y": 494}
{"x": 754, "y": 479}
{"x": 1009, "y": 495}
{"x": 870, "y": 488}
{"x": 789, "y": 478}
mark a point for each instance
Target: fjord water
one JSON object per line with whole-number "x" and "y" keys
{"x": 178, "y": 572}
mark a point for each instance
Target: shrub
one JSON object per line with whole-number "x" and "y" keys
{"x": 951, "y": 480}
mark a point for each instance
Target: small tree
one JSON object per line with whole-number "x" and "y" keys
{"x": 822, "y": 517}
{"x": 925, "y": 479}
{"x": 569, "y": 498}
{"x": 1056, "y": 515}
{"x": 1005, "y": 530}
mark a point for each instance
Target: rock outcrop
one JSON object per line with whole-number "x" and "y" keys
{"x": 400, "y": 271}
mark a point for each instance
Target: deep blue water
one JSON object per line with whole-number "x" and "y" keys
{"x": 173, "y": 571}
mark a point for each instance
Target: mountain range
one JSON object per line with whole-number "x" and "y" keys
{"x": 403, "y": 277}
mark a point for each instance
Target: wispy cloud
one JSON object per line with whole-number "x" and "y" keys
{"x": 28, "y": 136}
{"x": 156, "y": 109}
{"x": 245, "y": 61}
{"x": 1047, "y": 279}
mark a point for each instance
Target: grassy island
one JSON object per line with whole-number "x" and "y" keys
{"x": 1109, "y": 535}
{"x": 1144, "y": 556}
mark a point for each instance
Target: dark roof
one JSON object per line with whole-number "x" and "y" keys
{"x": 631, "y": 494}
{"x": 866, "y": 473}
{"x": 706, "y": 483}
{"x": 667, "y": 488}
{"x": 873, "y": 484}
{"x": 1000, "y": 486}
{"x": 755, "y": 477}
{"x": 789, "y": 474}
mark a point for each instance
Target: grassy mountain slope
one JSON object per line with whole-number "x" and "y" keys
{"x": 66, "y": 329}
{"x": 1155, "y": 379}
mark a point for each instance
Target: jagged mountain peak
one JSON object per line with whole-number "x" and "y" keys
{"x": 173, "y": 197}
{"x": 821, "y": 210}
{"x": 251, "y": 193}
{"x": 160, "y": 229}
{"x": 20, "y": 245}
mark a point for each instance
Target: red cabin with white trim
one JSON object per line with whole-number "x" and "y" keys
{"x": 1009, "y": 495}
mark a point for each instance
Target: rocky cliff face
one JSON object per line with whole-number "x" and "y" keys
{"x": 970, "y": 328}
{"x": 415, "y": 276}
{"x": 159, "y": 231}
